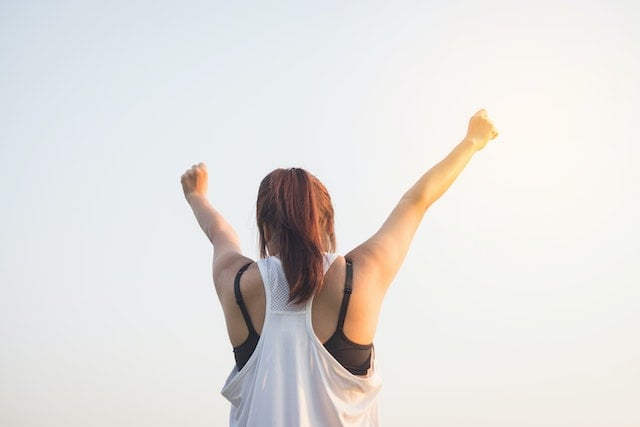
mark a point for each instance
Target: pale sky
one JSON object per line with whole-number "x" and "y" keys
{"x": 519, "y": 301}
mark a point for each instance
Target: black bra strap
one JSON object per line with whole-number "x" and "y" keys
{"x": 240, "y": 301}
{"x": 347, "y": 295}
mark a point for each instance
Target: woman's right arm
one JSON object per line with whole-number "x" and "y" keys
{"x": 382, "y": 255}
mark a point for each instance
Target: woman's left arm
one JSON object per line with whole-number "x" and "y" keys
{"x": 226, "y": 245}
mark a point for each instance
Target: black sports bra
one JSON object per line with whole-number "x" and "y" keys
{"x": 356, "y": 358}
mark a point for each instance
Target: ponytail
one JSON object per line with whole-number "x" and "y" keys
{"x": 295, "y": 208}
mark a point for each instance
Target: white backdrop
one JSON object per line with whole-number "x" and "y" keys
{"x": 519, "y": 301}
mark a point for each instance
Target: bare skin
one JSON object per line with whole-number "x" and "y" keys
{"x": 375, "y": 262}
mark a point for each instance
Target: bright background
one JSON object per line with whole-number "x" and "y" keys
{"x": 519, "y": 302}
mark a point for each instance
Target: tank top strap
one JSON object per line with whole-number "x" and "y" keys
{"x": 240, "y": 301}
{"x": 328, "y": 259}
{"x": 348, "y": 287}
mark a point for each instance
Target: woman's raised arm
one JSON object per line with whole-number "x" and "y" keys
{"x": 226, "y": 245}
{"x": 382, "y": 255}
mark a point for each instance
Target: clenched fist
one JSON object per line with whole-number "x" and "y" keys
{"x": 481, "y": 130}
{"x": 194, "y": 181}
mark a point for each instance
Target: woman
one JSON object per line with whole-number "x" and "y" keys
{"x": 302, "y": 319}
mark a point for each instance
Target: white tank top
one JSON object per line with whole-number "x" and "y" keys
{"x": 291, "y": 379}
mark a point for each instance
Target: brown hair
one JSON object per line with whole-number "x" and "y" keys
{"x": 295, "y": 209}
